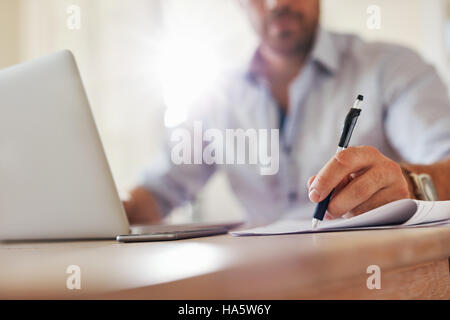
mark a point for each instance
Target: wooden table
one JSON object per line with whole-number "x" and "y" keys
{"x": 414, "y": 265}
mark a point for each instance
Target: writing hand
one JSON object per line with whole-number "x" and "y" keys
{"x": 364, "y": 180}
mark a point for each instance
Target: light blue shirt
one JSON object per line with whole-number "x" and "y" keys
{"x": 406, "y": 115}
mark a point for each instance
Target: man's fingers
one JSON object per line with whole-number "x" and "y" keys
{"x": 340, "y": 166}
{"x": 343, "y": 184}
{"x": 359, "y": 191}
{"x": 142, "y": 207}
{"x": 379, "y": 199}
{"x": 310, "y": 181}
{"x": 127, "y": 206}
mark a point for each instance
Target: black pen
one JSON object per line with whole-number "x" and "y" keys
{"x": 350, "y": 123}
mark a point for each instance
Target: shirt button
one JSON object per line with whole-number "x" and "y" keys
{"x": 293, "y": 196}
{"x": 288, "y": 150}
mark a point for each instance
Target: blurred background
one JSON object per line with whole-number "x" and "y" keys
{"x": 142, "y": 61}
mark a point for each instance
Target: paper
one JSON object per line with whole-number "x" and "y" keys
{"x": 399, "y": 214}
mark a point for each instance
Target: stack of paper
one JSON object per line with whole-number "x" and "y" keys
{"x": 400, "y": 214}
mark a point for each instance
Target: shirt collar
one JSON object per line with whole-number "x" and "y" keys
{"x": 324, "y": 53}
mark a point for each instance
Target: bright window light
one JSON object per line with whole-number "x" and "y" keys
{"x": 196, "y": 45}
{"x": 187, "y": 68}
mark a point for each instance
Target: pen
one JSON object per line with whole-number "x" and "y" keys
{"x": 350, "y": 123}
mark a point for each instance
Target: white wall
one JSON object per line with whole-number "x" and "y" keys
{"x": 9, "y": 32}
{"x": 419, "y": 24}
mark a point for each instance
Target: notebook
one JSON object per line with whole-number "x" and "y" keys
{"x": 400, "y": 214}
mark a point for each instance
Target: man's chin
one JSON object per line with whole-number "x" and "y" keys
{"x": 291, "y": 43}
{"x": 288, "y": 47}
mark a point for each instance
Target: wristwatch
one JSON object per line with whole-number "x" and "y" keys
{"x": 424, "y": 188}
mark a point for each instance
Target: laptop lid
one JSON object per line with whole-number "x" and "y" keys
{"x": 55, "y": 182}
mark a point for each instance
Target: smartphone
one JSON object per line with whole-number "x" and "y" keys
{"x": 172, "y": 236}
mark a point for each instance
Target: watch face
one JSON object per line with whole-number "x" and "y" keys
{"x": 428, "y": 188}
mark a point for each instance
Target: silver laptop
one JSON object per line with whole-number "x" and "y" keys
{"x": 55, "y": 182}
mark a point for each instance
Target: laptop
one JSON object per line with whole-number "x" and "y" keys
{"x": 55, "y": 181}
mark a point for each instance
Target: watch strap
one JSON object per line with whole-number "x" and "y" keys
{"x": 422, "y": 186}
{"x": 412, "y": 183}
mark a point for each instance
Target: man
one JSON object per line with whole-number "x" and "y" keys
{"x": 303, "y": 80}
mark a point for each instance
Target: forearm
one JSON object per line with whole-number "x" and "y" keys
{"x": 439, "y": 172}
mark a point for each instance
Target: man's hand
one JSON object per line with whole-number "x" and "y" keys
{"x": 364, "y": 180}
{"x": 141, "y": 208}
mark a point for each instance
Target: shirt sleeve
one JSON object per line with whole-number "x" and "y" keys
{"x": 174, "y": 185}
{"x": 417, "y": 118}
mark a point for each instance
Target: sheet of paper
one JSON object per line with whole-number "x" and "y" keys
{"x": 428, "y": 212}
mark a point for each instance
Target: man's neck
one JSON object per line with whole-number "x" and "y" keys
{"x": 281, "y": 66}
{"x": 280, "y": 70}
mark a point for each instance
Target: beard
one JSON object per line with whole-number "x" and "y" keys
{"x": 290, "y": 33}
